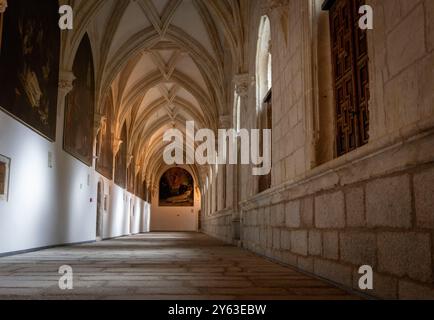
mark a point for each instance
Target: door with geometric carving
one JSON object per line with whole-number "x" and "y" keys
{"x": 350, "y": 75}
{"x": 265, "y": 122}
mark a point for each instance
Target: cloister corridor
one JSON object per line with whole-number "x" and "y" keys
{"x": 172, "y": 266}
{"x": 191, "y": 150}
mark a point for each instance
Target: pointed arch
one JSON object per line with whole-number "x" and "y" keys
{"x": 263, "y": 61}
{"x": 80, "y": 106}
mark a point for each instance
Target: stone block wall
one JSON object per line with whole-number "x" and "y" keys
{"x": 373, "y": 206}
{"x": 219, "y": 226}
{"x": 330, "y": 228}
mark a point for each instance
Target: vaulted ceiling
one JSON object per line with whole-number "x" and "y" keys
{"x": 164, "y": 62}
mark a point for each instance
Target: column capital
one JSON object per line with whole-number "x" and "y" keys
{"x": 99, "y": 123}
{"x": 225, "y": 122}
{"x": 138, "y": 168}
{"x": 130, "y": 158}
{"x": 66, "y": 81}
{"x": 242, "y": 83}
{"x": 3, "y": 6}
{"x": 269, "y": 5}
{"x": 116, "y": 146}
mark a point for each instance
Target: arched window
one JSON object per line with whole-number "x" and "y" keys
{"x": 264, "y": 88}
{"x": 237, "y": 112}
{"x": 263, "y": 62}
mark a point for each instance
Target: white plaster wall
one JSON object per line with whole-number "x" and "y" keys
{"x": 54, "y": 206}
{"x": 176, "y": 218}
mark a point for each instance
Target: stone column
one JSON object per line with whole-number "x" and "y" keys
{"x": 242, "y": 86}
{"x": 130, "y": 158}
{"x": 66, "y": 79}
{"x": 116, "y": 146}
{"x": 99, "y": 125}
{"x": 278, "y": 12}
{"x": 66, "y": 84}
{"x": 225, "y": 123}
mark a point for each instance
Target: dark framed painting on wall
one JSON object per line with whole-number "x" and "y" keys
{"x": 145, "y": 191}
{"x": 131, "y": 177}
{"x": 121, "y": 160}
{"x": 29, "y": 64}
{"x": 80, "y": 106}
{"x": 176, "y": 188}
{"x": 5, "y": 164}
{"x": 139, "y": 185}
{"x": 104, "y": 162}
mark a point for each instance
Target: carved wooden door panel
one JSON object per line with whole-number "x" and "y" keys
{"x": 266, "y": 123}
{"x": 351, "y": 75}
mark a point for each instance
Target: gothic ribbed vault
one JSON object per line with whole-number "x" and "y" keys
{"x": 163, "y": 62}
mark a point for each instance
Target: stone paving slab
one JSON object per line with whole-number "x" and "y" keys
{"x": 173, "y": 266}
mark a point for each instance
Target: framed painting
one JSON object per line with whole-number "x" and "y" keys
{"x": 29, "y": 64}
{"x": 131, "y": 178}
{"x": 121, "y": 161}
{"x": 104, "y": 162}
{"x": 176, "y": 188}
{"x": 5, "y": 164}
{"x": 80, "y": 107}
{"x": 138, "y": 192}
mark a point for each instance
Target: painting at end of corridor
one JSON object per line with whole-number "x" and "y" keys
{"x": 176, "y": 189}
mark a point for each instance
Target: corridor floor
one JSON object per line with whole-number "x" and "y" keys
{"x": 170, "y": 266}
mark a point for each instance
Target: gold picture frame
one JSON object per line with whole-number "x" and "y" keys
{"x": 5, "y": 165}
{"x": 1, "y": 30}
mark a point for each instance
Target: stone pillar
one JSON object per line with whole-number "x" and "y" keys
{"x": 116, "y": 146}
{"x": 225, "y": 123}
{"x": 99, "y": 125}
{"x": 66, "y": 84}
{"x": 66, "y": 79}
{"x": 242, "y": 87}
{"x": 138, "y": 168}
{"x": 242, "y": 84}
{"x": 130, "y": 158}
